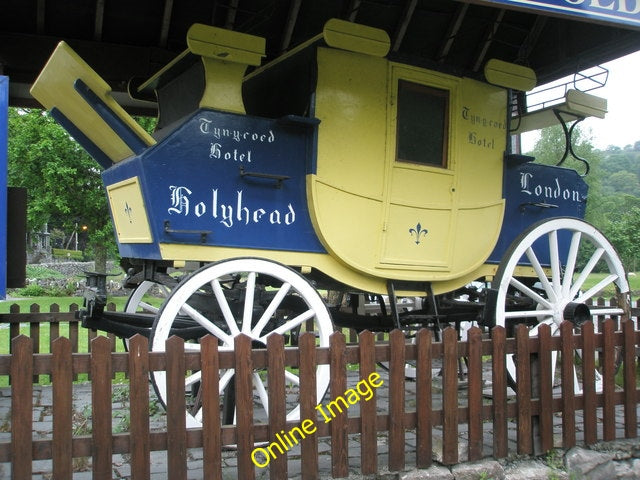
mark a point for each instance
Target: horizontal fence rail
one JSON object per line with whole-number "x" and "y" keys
{"x": 350, "y": 408}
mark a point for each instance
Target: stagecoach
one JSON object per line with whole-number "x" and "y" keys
{"x": 332, "y": 186}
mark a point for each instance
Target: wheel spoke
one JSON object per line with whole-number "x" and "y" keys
{"x": 586, "y": 271}
{"x": 262, "y": 392}
{"x": 292, "y": 377}
{"x": 542, "y": 276}
{"x": 270, "y": 310}
{"x": 146, "y": 307}
{"x": 206, "y": 323}
{"x": 224, "y": 307}
{"x": 514, "y": 282}
{"x": 528, "y": 313}
{"x": 554, "y": 257}
{"x": 225, "y": 378}
{"x": 191, "y": 347}
{"x": 572, "y": 256}
{"x": 596, "y": 288}
{"x": 193, "y": 378}
{"x": 248, "y": 303}
{"x": 290, "y": 325}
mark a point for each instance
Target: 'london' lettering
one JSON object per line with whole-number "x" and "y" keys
{"x": 552, "y": 191}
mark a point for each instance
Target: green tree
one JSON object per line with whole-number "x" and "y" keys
{"x": 622, "y": 232}
{"x": 63, "y": 183}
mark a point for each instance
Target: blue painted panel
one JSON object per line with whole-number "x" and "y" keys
{"x": 535, "y": 192}
{"x": 4, "y": 129}
{"x": 241, "y": 179}
{"x": 623, "y": 12}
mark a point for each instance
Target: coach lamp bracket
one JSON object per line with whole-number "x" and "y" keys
{"x": 568, "y": 136}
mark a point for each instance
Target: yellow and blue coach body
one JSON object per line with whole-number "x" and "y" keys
{"x": 334, "y": 158}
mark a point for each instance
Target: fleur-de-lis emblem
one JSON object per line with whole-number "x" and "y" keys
{"x": 418, "y": 232}
{"x": 127, "y": 211}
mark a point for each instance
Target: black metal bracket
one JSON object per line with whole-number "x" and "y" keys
{"x": 568, "y": 136}
{"x": 203, "y": 233}
{"x": 523, "y": 206}
{"x": 269, "y": 176}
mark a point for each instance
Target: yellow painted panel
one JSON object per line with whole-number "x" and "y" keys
{"x": 422, "y": 187}
{"x": 351, "y": 105}
{"x": 348, "y": 225}
{"x": 481, "y": 143}
{"x": 417, "y": 239}
{"x": 510, "y": 75}
{"x": 226, "y": 45}
{"x": 54, "y": 88}
{"x": 475, "y": 235}
{"x": 356, "y": 38}
{"x": 128, "y": 211}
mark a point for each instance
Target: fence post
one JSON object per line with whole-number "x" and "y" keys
{"x": 523, "y": 390}
{"x": 450, "y": 397}
{"x": 629, "y": 365}
{"x": 424, "y": 402}
{"x": 396, "y": 400}
{"x": 21, "y": 407}
{"x": 544, "y": 391}
{"x": 474, "y": 342}
{"x": 499, "y": 391}
{"x": 34, "y": 333}
{"x": 176, "y": 409}
{"x": 139, "y": 407}
{"x": 308, "y": 399}
{"x": 101, "y": 407}
{"x": 277, "y": 407}
{"x": 211, "y": 437}
{"x": 608, "y": 381}
{"x": 62, "y": 378}
{"x": 568, "y": 386}
{"x": 338, "y": 425}
{"x": 244, "y": 406}
{"x": 368, "y": 442}
{"x": 588, "y": 383}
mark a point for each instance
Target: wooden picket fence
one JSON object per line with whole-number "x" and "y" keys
{"x": 427, "y": 413}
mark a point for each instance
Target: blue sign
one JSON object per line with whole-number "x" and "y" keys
{"x": 4, "y": 128}
{"x": 226, "y": 180}
{"x": 623, "y": 12}
{"x": 535, "y": 192}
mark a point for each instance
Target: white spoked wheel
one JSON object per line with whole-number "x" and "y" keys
{"x": 563, "y": 253}
{"x": 250, "y": 296}
{"x": 137, "y": 304}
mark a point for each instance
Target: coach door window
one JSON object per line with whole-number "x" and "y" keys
{"x": 422, "y": 125}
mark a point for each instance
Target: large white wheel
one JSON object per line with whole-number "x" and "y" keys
{"x": 252, "y": 296}
{"x": 563, "y": 252}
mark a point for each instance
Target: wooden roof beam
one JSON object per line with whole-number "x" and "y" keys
{"x": 99, "y": 21}
{"x": 40, "y": 13}
{"x": 166, "y": 22}
{"x": 292, "y": 18}
{"x": 232, "y": 10}
{"x": 402, "y": 28}
{"x": 352, "y": 13}
{"x": 532, "y": 39}
{"x": 491, "y": 32}
{"x": 454, "y": 28}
